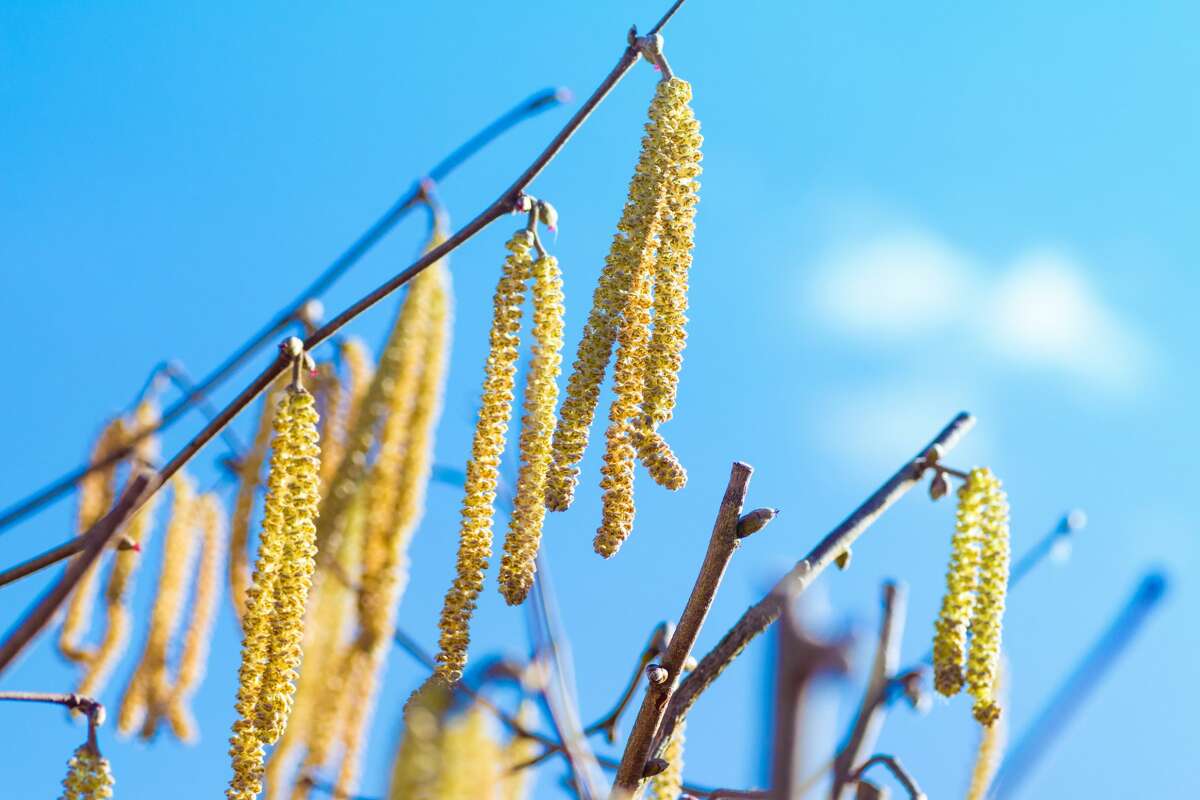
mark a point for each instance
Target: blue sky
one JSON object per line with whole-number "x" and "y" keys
{"x": 905, "y": 212}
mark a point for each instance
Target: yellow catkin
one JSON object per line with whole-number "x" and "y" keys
{"x": 194, "y": 656}
{"x": 478, "y": 507}
{"x": 89, "y": 776}
{"x": 668, "y": 784}
{"x": 632, "y": 247}
{"x": 984, "y": 658}
{"x": 657, "y": 456}
{"x": 417, "y": 764}
{"x": 149, "y": 688}
{"x": 249, "y": 481}
{"x": 97, "y": 492}
{"x": 120, "y": 584}
{"x": 992, "y": 741}
{"x": 537, "y": 429}
{"x": 359, "y": 371}
{"x": 471, "y": 758}
{"x": 520, "y": 750}
{"x": 273, "y": 619}
{"x": 333, "y": 406}
{"x": 962, "y": 581}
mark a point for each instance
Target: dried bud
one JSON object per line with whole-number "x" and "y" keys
{"x": 939, "y": 487}
{"x": 548, "y": 215}
{"x": 843, "y": 559}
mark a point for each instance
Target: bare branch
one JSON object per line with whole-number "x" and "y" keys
{"x": 721, "y": 547}
{"x": 760, "y": 616}
{"x": 898, "y": 771}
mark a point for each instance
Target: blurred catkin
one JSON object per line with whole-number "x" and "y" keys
{"x": 668, "y": 784}
{"x": 273, "y": 620}
{"x": 97, "y": 491}
{"x": 984, "y": 658}
{"x": 962, "y": 581}
{"x": 520, "y": 750}
{"x": 482, "y": 474}
{"x": 470, "y": 759}
{"x": 89, "y": 776}
{"x": 249, "y": 475}
{"x": 149, "y": 689}
{"x": 627, "y": 264}
{"x": 418, "y": 760}
{"x": 537, "y": 428}
{"x": 992, "y": 741}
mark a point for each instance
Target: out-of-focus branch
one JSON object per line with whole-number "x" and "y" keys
{"x": 721, "y": 547}
{"x": 868, "y": 722}
{"x": 799, "y": 659}
{"x": 1079, "y": 685}
{"x": 760, "y": 616}
{"x": 898, "y": 771}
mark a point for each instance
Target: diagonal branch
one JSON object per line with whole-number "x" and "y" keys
{"x": 721, "y": 547}
{"x": 38, "y": 616}
{"x": 898, "y": 771}
{"x": 760, "y": 616}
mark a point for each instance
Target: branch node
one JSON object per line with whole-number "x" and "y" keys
{"x": 657, "y": 675}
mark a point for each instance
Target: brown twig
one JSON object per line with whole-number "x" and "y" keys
{"x": 759, "y": 617}
{"x": 721, "y": 547}
{"x": 38, "y": 616}
{"x": 864, "y": 733}
{"x": 898, "y": 771}
{"x": 799, "y": 659}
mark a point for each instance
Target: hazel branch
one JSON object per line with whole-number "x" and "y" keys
{"x": 38, "y": 616}
{"x": 721, "y": 547}
{"x": 293, "y": 312}
{"x": 759, "y": 617}
{"x": 898, "y": 771}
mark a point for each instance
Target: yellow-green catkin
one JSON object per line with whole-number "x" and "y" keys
{"x": 274, "y": 617}
{"x": 332, "y": 406}
{"x": 89, "y": 776}
{"x": 148, "y": 692}
{"x": 518, "y": 784}
{"x": 97, "y": 491}
{"x": 194, "y": 657}
{"x": 626, "y": 265}
{"x": 668, "y": 784}
{"x": 478, "y": 507}
{"x": 984, "y": 658}
{"x": 992, "y": 741}
{"x": 249, "y": 474}
{"x": 962, "y": 581}
{"x": 359, "y": 371}
{"x": 471, "y": 758}
{"x": 418, "y": 760}
{"x": 537, "y": 429}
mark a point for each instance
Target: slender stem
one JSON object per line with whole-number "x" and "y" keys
{"x": 898, "y": 771}
{"x": 547, "y": 98}
{"x": 1035, "y": 742}
{"x": 75, "y": 702}
{"x": 40, "y": 615}
{"x": 760, "y": 616}
{"x": 722, "y": 545}
{"x": 39, "y": 562}
{"x": 868, "y": 723}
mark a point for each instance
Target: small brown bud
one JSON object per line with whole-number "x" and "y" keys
{"x": 657, "y": 674}
{"x": 754, "y": 521}
{"x": 653, "y": 767}
{"x": 843, "y": 559}
{"x": 939, "y": 487}
{"x": 870, "y": 791}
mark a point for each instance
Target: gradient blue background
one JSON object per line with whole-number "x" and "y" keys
{"x": 906, "y": 211}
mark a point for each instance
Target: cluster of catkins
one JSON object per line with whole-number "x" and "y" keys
{"x": 639, "y": 310}
{"x": 973, "y": 606}
{"x": 89, "y": 776}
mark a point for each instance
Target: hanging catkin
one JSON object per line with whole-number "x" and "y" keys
{"x": 249, "y": 474}
{"x": 983, "y": 661}
{"x": 418, "y": 761}
{"x": 148, "y": 692}
{"x": 992, "y": 741}
{"x": 273, "y": 621}
{"x": 475, "y": 533}
{"x": 470, "y": 758}
{"x": 962, "y": 581}
{"x": 89, "y": 776}
{"x": 537, "y": 429}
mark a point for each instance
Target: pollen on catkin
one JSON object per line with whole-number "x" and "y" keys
{"x": 962, "y": 582}
{"x": 249, "y": 475}
{"x": 273, "y": 621}
{"x": 482, "y": 474}
{"x": 668, "y": 784}
{"x": 654, "y": 452}
{"x": 986, "y": 623}
{"x": 537, "y": 429}
{"x": 89, "y": 776}
{"x": 632, "y": 247}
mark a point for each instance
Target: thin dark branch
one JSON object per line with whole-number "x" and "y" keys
{"x": 666, "y": 17}
{"x": 898, "y": 771}
{"x": 868, "y": 722}
{"x": 38, "y": 616}
{"x": 722, "y": 544}
{"x": 1035, "y": 742}
{"x": 40, "y": 562}
{"x": 760, "y": 616}
{"x": 547, "y": 98}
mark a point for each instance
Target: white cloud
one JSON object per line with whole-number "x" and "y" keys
{"x": 1039, "y": 311}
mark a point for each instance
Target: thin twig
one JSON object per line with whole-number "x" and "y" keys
{"x": 868, "y": 722}
{"x": 1035, "y": 742}
{"x": 722, "y": 544}
{"x": 75, "y": 702}
{"x": 547, "y": 98}
{"x": 760, "y": 616}
{"x": 40, "y": 562}
{"x": 898, "y": 771}
{"x": 37, "y": 617}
